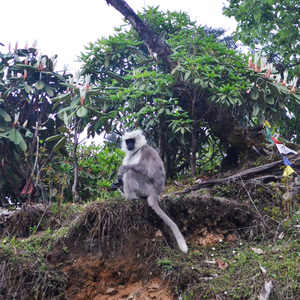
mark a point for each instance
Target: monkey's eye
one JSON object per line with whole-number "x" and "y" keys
{"x": 130, "y": 144}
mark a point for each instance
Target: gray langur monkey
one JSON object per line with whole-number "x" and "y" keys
{"x": 142, "y": 175}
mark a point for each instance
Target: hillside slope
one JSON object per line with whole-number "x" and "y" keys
{"x": 242, "y": 235}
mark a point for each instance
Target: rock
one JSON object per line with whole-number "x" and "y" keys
{"x": 111, "y": 291}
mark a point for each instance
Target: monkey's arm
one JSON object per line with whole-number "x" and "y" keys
{"x": 139, "y": 168}
{"x": 148, "y": 165}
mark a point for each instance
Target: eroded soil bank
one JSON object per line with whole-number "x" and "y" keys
{"x": 240, "y": 236}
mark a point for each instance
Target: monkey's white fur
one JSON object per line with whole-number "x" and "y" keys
{"x": 143, "y": 176}
{"x": 140, "y": 141}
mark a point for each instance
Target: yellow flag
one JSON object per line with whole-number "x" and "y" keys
{"x": 288, "y": 171}
{"x": 267, "y": 124}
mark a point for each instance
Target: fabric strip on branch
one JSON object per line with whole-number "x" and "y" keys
{"x": 287, "y": 171}
{"x": 281, "y": 148}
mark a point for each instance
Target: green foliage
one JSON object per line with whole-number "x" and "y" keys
{"x": 27, "y": 117}
{"x": 97, "y": 170}
{"x": 189, "y": 113}
{"x": 270, "y": 23}
{"x": 271, "y": 26}
{"x": 40, "y": 110}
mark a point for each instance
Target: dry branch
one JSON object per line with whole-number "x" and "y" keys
{"x": 266, "y": 173}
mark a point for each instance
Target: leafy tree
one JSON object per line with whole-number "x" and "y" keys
{"x": 37, "y": 105}
{"x": 194, "y": 97}
{"x": 273, "y": 27}
{"x": 27, "y": 118}
{"x": 272, "y": 24}
{"x": 77, "y": 114}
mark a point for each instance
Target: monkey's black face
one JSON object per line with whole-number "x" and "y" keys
{"x": 130, "y": 144}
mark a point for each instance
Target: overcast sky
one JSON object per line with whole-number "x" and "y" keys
{"x": 64, "y": 27}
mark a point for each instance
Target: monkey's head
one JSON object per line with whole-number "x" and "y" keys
{"x": 132, "y": 141}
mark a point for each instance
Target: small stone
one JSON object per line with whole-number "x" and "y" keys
{"x": 158, "y": 233}
{"x": 111, "y": 291}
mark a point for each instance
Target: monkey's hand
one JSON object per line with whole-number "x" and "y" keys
{"x": 115, "y": 185}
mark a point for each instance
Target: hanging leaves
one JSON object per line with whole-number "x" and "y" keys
{"x": 28, "y": 188}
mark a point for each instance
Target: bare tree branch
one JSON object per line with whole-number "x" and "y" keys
{"x": 152, "y": 41}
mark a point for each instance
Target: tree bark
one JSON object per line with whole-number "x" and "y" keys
{"x": 75, "y": 183}
{"x": 152, "y": 41}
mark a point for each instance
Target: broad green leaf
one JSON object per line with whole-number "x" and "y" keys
{"x": 270, "y": 99}
{"x": 61, "y": 97}
{"x": 65, "y": 109}
{"x": 54, "y": 137}
{"x": 296, "y": 97}
{"x": 261, "y": 118}
{"x": 16, "y": 137}
{"x": 63, "y": 129}
{"x": 3, "y": 126}
{"x": 60, "y": 144}
{"x": 138, "y": 52}
{"x": 106, "y": 62}
{"x": 70, "y": 86}
{"x": 28, "y": 88}
{"x": 145, "y": 61}
{"x": 5, "y": 115}
{"x": 281, "y": 103}
{"x": 274, "y": 89}
{"x": 75, "y": 102}
{"x": 161, "y": 111}
{"x": 98, "y": 112}
{"x": 272, "y": 108}
{"x": 255, "y": 109}
{"x": 187, "y": 75}
{"x": 118, "y": 78}
{"x": 49, "y": 90}
{"x": 22, "y": 145}
{"x": 254, "y": 94}
{"x": 82, "y": 112}
{"x": 29, "y": 134}
{"x": 96, "y": 91}
{"x": 39, "y": 85}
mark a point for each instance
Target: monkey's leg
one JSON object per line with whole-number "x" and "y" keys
{"x": 153, "y": 202}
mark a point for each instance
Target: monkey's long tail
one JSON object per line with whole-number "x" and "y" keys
{"x": 153, "y": 202}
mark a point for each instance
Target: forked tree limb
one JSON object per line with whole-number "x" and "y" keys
{"x": 152, "y": 41}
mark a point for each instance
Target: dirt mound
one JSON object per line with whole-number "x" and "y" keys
{"x": 112, "y": 279}
{"x": 122, "y": 250}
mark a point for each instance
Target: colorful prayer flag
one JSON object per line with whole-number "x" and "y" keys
{"x": 281, "y": 148}
{"x": 287, "y": 171}
{"x": 286, "y": 161}
{"x": 267, "y": 124}
{"x": 269, "y": 135}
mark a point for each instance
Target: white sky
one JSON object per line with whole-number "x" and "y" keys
{"x": 64, "y": 27}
